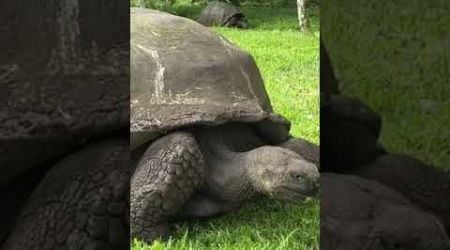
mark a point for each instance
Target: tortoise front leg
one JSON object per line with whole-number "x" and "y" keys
{"x": 81, "y": 203}
{"x": 308, "y": 150}
{"x": 166, "y": 176}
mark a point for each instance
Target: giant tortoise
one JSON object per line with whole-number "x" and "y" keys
{"x": 64, "y": 117}
{"x": 203, "y": 132}
{"x": 222, "y": 14}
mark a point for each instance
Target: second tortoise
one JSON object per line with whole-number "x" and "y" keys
{"x": 222, "y": 14}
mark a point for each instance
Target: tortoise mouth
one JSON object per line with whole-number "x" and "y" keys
{"x": 291, "y": 195}
{"x": 295, "y": 192}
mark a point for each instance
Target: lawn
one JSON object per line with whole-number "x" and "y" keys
{"x": 397, "y": 59}
{"x": 289, "y": 63}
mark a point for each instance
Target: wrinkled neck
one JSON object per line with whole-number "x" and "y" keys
{"x": 254, "y": 171}
{"x": 229, "y": 173}
{"x": 227, "y": 152}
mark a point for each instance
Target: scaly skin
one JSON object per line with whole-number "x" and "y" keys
{"x": 80, "y": 204}
{"x": 166, "y": 176}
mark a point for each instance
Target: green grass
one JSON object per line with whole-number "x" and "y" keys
{"x": 397, "y": 60}
{"x": 289, "y": 63}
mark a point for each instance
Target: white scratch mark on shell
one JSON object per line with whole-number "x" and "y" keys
{"x": 154, "y": 33}
{"x": 158, "y": 95}
{"x": 228, "y": 47}
{"x": 134, "y": 102}
{"x": 249, "y": 83}
{"x": 66, "y": 56}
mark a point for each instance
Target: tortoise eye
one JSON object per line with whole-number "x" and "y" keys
{"x": 297, "y": 176}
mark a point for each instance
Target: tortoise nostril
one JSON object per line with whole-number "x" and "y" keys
{"x": 297, "y": 176}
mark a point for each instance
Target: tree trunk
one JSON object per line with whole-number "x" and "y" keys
{"x": 302, "y": 20}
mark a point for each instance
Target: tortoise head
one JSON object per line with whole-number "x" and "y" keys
{"x": 283, "y": 174}
{"x": 238, "y": 21}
